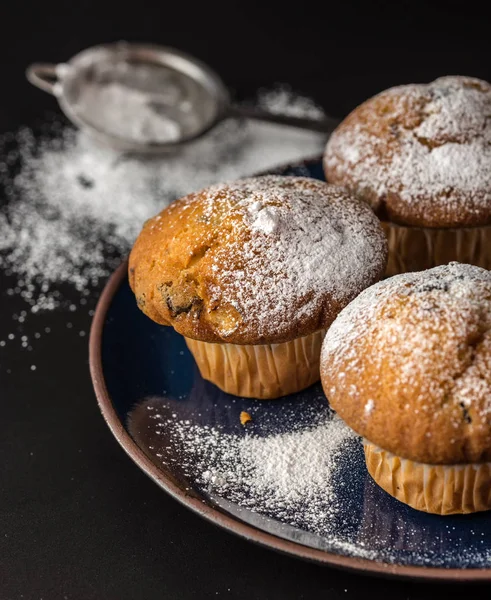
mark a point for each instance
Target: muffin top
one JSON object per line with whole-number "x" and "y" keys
{"x": 407, "y": 365}
{"x": 261, "y": 260}
{"x": 419, "y": 154}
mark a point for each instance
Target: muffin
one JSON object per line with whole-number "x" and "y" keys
{"x": 253, "y": 272}
{"x": 420, "y": 155}
{"x": 407, "y": 365}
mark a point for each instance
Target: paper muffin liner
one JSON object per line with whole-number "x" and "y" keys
{"x": 419, "y": 248}
{"x": 437, "y": 489}
{"x": 260, "y": 371}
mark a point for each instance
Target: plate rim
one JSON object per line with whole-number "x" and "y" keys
{"x": 222, "y": 519}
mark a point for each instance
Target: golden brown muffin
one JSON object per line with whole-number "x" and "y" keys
{"x": 265, "y": 263}
{"x": 408, "y": 366}
{"x": 420, "y": 155}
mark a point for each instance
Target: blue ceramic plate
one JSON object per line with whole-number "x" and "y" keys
{"x": 145, "y": 378}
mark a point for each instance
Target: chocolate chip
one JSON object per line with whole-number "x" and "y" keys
{"x": 195, "y": 304}
{"x": 467, "y": 417}
{"x": 432, "y": 286}
{"x": 85, "y": 181}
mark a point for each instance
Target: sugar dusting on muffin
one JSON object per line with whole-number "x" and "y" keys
{"x": 261, "y": 260}
{"x": 408, "y": 364}
{"x": 420, "y": 154}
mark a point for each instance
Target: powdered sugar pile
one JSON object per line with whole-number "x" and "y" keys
{"x": 264, "y": 219}
{"x": 429, "y": 144}
{"x": 74, "y": 209}
{"x": 286, "y": 475}
{"x": 298, "y": 249}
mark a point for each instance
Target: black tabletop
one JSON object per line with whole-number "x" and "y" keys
{"x": 78, "y": 520}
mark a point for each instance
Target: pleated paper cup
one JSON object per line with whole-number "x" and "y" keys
{"x": 420, "y": 248}
{"x": 260, "y": 371}
{"x": 437, "y": 489}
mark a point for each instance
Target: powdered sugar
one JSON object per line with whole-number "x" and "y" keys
{"x": 460, "y": 166}
{"x": 457, "y": 110}
{"x": 265, "y": 220}
{"x": 126, "y": 113}
{"x": 288, "y": 476}
{"x": 297, "y": 465}
{"x": 75, "y": 208}
{"x": 299, "y": 251}
{"x": 430, "y": 145}
{"x": 282, "y": 100}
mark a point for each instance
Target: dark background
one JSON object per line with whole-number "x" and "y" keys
{"x": 78, "y": 520}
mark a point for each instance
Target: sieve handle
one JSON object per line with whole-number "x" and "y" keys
{"x": 324, "y": 125}
{"x": 43, "y": 76}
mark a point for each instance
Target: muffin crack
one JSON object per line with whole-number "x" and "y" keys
{"x": 197, "y": 256}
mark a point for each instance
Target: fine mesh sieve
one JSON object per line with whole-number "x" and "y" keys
{"x": 146, "y": 98}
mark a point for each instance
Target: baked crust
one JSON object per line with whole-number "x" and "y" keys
{"x": 262, "y": 260}
{"x": 407, "y": 365}
{"x": 419, "y": 154}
